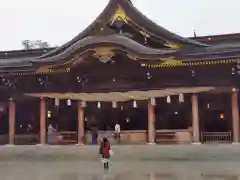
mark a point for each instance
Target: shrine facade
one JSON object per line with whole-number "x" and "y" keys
{"x": 159, "y": 86}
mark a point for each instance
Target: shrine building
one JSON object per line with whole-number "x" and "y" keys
{"x": 123, "y": 68}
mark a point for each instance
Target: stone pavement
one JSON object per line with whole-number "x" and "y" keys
{"x": 140, "y": 162}
{"x": 123, "y": 153}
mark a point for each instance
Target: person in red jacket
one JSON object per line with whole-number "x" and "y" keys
{"x": 105, "y": 152}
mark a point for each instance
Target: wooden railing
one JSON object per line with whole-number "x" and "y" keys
{"x": 26, "y": 139}
{"x": 175, "y": 136}
{"x": 126, "y": 137}
{"x": 68, "y": 137}
{"x": 21, "y": 139}
{"x": 3, "y": 139}
{"x": 165, "y": 136}
{"x": 129, "y": 137}
{"x": 216, "y": 136}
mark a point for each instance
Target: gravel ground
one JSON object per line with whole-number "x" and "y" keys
{"x": 149, "y": 162}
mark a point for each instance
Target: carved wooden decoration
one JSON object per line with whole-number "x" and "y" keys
{"x": 44, "y": 69}
{"x": 145, "y": 34}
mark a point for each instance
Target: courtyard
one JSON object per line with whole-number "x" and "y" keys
{"x": 124, "y": 70}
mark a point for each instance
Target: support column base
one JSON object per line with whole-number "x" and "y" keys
{"x": 41, "y": 144}
{"x": 151, "y": 143}
{"x": 79, "y": 144}
{"x": 9, "y": 145}
{"x": 196, "y": 143}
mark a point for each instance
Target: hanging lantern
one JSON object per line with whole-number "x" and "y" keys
{"x": 83, "y": 104}
{"x": 114, "y": 104}
{"x": 208, "y": 105}
{"x": 57, "y": 103}
{"x": 2, "y": 108}
{"x": 234, "y": 89}
{"x": 134, "y": 104}
{"x": 69, "y": 103}
{"x": 121, "y": 108}
{"x": 153, "y": 101}
{"x": 49, "y": 114}
{"x": 168, "y": 99}
{"x": 98, "y": 105}
{"x": 222, "y": 116}
{"x": 181, "y": 98}
{"x": 193, "y": 73}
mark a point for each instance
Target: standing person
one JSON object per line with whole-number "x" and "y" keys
{"x": 105, "y": 152}
{"x": 53, "y": 135}
{"x": 117, "y": 132}
{"x": 51, "y": 132}
{"x": 94, "y": 135}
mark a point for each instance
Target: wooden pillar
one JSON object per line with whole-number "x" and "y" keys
{"x": 195, "y": 120}
{"x": 11, "y": 122}
{"x": 151, "y": 123}
{"x": 80, "y": 136}
{"x": 43, "y": 121}
{"x": 235, "y": 117}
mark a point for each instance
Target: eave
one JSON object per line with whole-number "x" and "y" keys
{"x": 123, "y": 96}
{"x": 86, "y": 48}
{"x": 195, "y": 63}
{"x": 92, "y": 44}
{"x": 23, "y": 53}
{"x": 219, "y": 38}
{"x": 116, "y": 42}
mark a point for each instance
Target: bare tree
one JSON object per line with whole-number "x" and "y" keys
{"x": 27, "y": 44}
{"x": 37, "y": 44}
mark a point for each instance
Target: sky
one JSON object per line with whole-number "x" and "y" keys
{"x": 58, "y": 21}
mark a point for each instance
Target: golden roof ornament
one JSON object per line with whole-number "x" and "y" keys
{"x": 171, "y": 61}
{"x": 103, "y": 54}
{"x": 132, "y": 57}
{"x": 44, "y": 69}
{"x": 173, "y": 45}
{"x": 119, "y": 15}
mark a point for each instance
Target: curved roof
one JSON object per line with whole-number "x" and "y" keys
{"x": 141, "y": 20}
{"x": 136, "y": 16}
{"x": 116, "y": 42}
{"x": 113, "y": 43}
{"x": 121, "y": 42}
